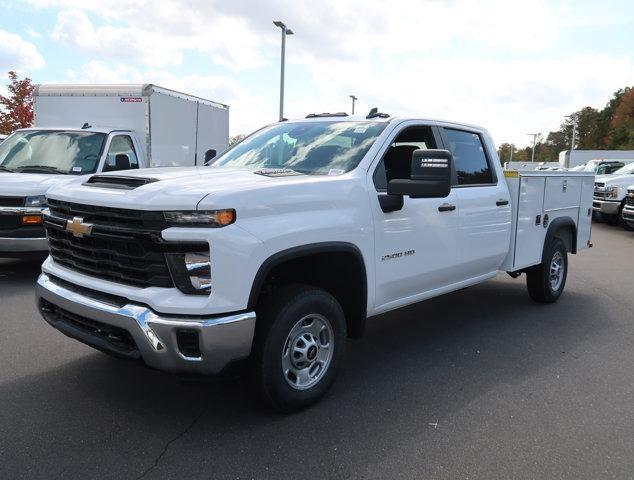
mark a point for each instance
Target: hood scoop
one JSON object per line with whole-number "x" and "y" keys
{"x": 119, "y": 182}
{"x": 277, "y": 172}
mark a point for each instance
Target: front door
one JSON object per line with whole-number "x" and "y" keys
{"x": 416, "y": 246}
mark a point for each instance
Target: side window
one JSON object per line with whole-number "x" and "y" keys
{"x": 470, "y": 161}
{"x": 397, "y": 160}
{"x": 120, "y": 145}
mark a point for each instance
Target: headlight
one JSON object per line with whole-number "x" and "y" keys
{"x": 612, "y": 192}
{"x": 204, "y": 218}
{"x": 36, "y": 201}
{"x": 191, "y": 272}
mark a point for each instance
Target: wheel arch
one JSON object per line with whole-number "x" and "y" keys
{"x": 565, "y": 229}
{"x": 337, "y": 267}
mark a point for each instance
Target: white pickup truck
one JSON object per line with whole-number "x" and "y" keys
{"x": 83, "y": 129}
{"x": 610, "y": 192}
{"x": 292, "y": 238}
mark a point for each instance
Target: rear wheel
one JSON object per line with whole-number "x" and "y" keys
{"x": 300, "y": 343}
{"x": 546, "y": 281}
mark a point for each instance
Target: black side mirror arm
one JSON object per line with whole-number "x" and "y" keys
{"x": 390, "y": 203}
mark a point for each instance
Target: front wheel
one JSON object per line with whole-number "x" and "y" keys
{"x": 546, "y": 281}
{"x": 299, "y": 345}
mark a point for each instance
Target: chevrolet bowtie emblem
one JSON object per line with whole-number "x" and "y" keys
{"x": 78, "y": 228}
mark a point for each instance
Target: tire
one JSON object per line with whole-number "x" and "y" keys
{"x": 543, "y": 288}
{"x": 597, "y": 217}
{"x": 612, "y": 219}
{"x": 300, "y": 329}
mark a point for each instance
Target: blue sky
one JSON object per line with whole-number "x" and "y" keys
{"x": 514, "y": 67}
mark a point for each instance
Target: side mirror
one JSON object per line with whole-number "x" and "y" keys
{"x": 121, "y": 162}
{"x": 209, "y": 156}
{"x": 430, "y": 176}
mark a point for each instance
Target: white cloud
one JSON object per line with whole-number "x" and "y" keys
{"x": 18, "y": 54}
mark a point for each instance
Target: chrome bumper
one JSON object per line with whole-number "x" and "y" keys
{"x": 221, "y": 339}
{"x": 628, "y": 214}
{"x": 18, "y": 245}
{"x": 606, "y": 206}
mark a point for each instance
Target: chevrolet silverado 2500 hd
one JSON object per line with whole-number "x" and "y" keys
{"x": 83, "y": 129}
{"x": 292, "y": 238}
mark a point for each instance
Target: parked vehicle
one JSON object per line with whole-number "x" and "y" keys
{"x": 2, "y": 138}
{"x": 609, "y": 195}
{"x": 627, "y": 214}
{"x": 292, "y": 238}
{"x": 569, "y": 159}
{"x": 83, "y": 129}
{"x": 605, "y": 167}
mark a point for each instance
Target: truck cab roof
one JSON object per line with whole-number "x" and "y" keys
{"x": 93, "y": 129}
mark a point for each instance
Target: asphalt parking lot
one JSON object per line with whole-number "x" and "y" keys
{"x": 479, "y": 384}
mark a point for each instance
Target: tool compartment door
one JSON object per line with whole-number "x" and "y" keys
{"x": 529, "y": 233}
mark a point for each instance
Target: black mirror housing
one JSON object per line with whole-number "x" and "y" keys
{"x": 430, "y": 176}
{"x": 209, "y": 156}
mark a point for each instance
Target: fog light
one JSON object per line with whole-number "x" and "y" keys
{"x": 198, "y": 266}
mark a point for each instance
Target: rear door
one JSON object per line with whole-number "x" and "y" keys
{"x": 483, "y": 203}
{"x": 416, "y": 246}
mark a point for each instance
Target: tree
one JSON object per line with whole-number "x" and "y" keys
{"x": 16, "y": 110}
{"x": 622, "y": 124}
{"x": 236, "y": 138}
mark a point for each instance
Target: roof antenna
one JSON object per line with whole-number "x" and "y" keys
{"x": 85, "y": 126}
{"x": 375, "y": 113}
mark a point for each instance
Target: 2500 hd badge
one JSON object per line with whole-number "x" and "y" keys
{"x": 393, "y": 256}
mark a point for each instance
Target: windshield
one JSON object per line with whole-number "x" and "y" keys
{"x": 41, "y": 151}
{"x": 591, "y": 166}
{"x": 316, "y": 148}
{"x": 626, "y": 170}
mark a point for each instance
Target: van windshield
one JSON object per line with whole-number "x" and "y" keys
{"x": 315, "y": 147}
{"x": 45, "y": 151}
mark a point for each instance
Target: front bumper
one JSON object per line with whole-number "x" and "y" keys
{"x": 128, "y": 329}
{"x": 23, "y": 245}
{"x": 628, "y": 214}
{"x": 608, "y": 207}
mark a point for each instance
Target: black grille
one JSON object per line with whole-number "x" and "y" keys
{"x": 12, "y": 201}
{"x": 629, "y": 200}
{"x": 97, "y": 334}
{"x": 124, "y": 246}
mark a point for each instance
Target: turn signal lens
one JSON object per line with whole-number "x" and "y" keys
{"x": 32, "y": 220}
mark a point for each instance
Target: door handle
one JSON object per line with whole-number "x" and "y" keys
{"x": 502, "y": 202}
{"x": 445, "y": 207}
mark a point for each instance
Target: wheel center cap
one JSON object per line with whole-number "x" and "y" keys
{"x": 312, "y": 353}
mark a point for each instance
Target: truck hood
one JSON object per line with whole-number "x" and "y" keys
{"x": 616, "y": 180}
{"x": 30, "y": 184}
{"x": 180, "y": 188}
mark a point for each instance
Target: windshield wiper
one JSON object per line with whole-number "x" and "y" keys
{"x": 39, "y": 168}
{"x": 5, "y": 169}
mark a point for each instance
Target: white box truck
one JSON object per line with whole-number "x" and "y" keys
{"x": 293, "y": 237}
{"x": 84, "y": 129}
{"x": 574, "y": 158}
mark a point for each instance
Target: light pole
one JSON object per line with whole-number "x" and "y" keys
{"x": 511, "y": 158}
{"x": 573, "y": 140}
{"x": 536, "y": 138}
{"x": 285, "y": 31}
{"x": 354, "y": 99}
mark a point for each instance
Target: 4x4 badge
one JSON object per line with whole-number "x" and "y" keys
{"x": 78, "y": 228}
